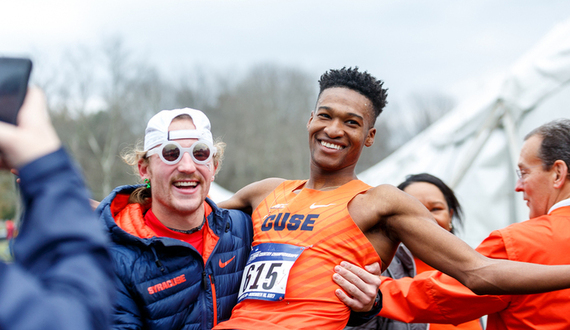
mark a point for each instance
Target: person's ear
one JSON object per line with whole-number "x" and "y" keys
{"x": 370, "y": 137}
{"x": 560, "y": 172}
{"x": 144, "y": 171}
{"x": 310, "y": 120}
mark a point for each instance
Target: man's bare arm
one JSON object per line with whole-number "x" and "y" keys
{"x": 407, "y": 220}
{"x": 248, "y": 198}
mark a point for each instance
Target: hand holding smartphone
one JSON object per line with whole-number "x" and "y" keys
{"x": 14, "y": 76}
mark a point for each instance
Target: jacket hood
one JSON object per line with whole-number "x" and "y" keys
{"x": 117, "y": 202}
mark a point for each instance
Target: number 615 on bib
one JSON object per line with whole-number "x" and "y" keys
{"x": 267, "y": 270}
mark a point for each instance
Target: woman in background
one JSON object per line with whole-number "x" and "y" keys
{"x": 440, "y": 200}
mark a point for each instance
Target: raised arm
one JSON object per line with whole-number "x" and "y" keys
{"x": 248, "y": 198}
{"x": 405, "y": 219}
{"x": 61, "y": 277}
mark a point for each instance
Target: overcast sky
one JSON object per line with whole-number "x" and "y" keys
{"x": 433, "y": 45}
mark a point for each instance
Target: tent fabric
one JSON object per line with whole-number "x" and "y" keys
{"x": 475, "y": 147}
{"x": 219, "y": 194}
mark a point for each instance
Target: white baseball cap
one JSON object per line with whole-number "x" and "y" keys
{"x": 156, "y": 132}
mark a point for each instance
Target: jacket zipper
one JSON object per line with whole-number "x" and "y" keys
{"x": 214, "y": 300}
{"x": 205, "y": 278}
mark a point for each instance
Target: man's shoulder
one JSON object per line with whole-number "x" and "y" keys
{"x": 528, "y": 228}
{"x": 256, "y": 192}
{"x": 234, "y": 215}
{"x": 367, "y": 208}
{"x": 384, "y": 192}
{"x": 524, "y": 226}
{"x": 231, "y": 216}
{"x": 384, "y": 188}
{"x": 268, "y": 185}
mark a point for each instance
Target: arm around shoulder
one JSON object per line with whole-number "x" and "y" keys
{"x": 248, "y": 198}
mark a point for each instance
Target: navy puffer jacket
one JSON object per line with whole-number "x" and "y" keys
{"x": 164, "y": 283}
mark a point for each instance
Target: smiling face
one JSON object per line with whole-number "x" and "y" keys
{"x": 339, "y": 128}
{"x": 180, "y": 189}
{"x": 434, "y": 200}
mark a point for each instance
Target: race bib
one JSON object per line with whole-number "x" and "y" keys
{"x": 267, "y": 270}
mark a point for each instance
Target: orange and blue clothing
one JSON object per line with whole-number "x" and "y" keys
{"x": 319, "y": 222}
{"x": 436, "y": 297}
{"x": 165, "y": 282}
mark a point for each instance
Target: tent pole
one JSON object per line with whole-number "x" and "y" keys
{"x": 482, "y": 136}
{"x": 511, "y": 131}
{"x": 512, "y": 137}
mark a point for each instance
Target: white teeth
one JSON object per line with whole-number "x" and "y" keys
{"x": 186, "y": 184}
{"x": 330, "y": 145}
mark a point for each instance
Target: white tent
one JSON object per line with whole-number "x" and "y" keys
{"x": 219, "y": 194}
{"x": 475, "y": 148}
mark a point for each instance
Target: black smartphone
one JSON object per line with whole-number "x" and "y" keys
{"x": 14, "y": 76}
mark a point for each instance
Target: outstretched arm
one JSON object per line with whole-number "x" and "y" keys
{"x": 407, "y": 220}
{"x": 433, "y": 296}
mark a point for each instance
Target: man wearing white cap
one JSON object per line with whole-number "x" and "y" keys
{"x": 178, "y": 257}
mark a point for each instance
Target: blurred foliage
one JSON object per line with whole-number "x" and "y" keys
{"x": 9, "y": 198}
{"x": 5, "y": 252}
{"x": 101, "y": 99}
{"x": 263, "y": 120}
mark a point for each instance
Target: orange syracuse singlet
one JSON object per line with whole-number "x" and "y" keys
{"x": 319, "y": 223}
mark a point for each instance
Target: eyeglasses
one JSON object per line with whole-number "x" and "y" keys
{"x": 522, "y": 174}
{"x": 171, "y": 153}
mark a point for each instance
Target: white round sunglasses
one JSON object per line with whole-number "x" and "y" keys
{"x": 171, "y": 152}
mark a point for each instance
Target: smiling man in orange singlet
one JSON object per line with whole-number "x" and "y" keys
{"x": 303, "y": 227}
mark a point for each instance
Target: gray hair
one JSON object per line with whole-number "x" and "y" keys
{"x": 555, "y": 142}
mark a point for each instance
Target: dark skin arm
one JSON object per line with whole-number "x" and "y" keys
{"x": 248, "y": 198}
{"x": 405, "y": 219}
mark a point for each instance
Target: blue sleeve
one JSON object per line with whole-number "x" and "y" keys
{"x": 62, "y": 276}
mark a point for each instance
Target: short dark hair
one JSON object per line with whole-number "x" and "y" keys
{"x": 361, "y": 82}
{"x": 555, "y": 142}
{"x": 447, "y": 192}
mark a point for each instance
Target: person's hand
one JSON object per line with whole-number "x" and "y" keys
{"x": 34, "y": 136}
{"x": 360, "y": 284}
